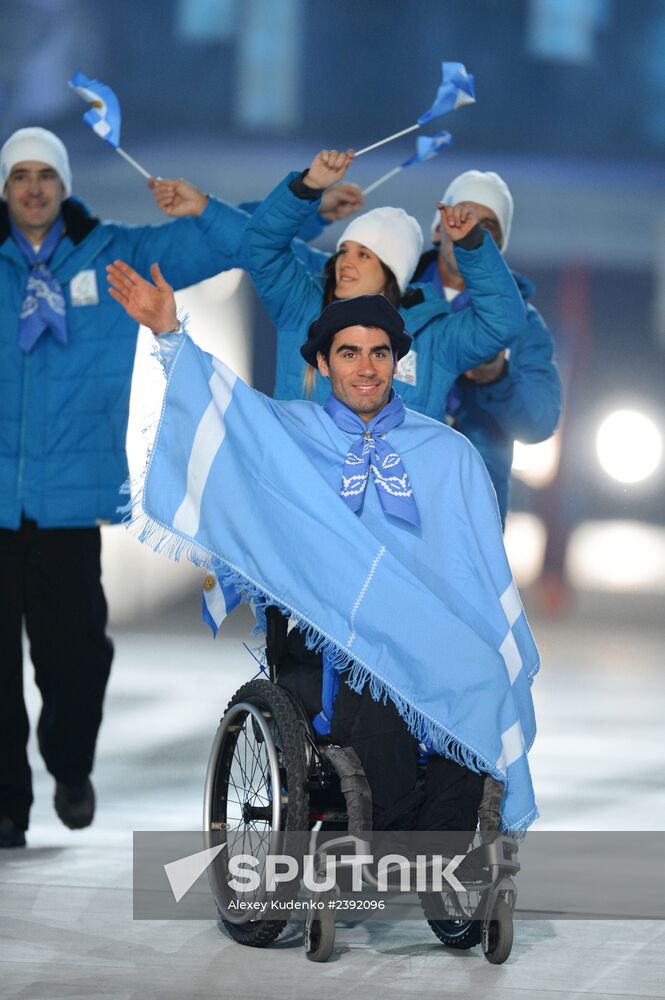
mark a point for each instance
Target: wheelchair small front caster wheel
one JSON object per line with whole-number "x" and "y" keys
{"x": 498, "y": 933}
{"x": 319, "y": 935}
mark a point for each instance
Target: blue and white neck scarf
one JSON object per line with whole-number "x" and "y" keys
{"x": 44, "y": 304}
{"x": 370, "y": 453}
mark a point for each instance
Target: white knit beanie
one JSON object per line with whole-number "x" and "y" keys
{"x": 395, "y": 237}
{"x": 39, "y": 145}
{"x": 485, "y": 189}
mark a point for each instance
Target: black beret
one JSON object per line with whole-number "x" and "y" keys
{"x": 361, "y": 310}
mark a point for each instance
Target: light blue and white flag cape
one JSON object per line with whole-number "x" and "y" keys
{"x": 429, "y": 616}
{"x": 103, "y": 117}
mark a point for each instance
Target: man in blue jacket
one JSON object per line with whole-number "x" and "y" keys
{"x": 515, "y": 395}
{"x": 66, "y": 357}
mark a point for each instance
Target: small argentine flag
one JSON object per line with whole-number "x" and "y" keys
{"x": 219, "y": 600}
{"x": 428, "y": 146}
{"x": 456, "y": 90}
{"x": 104, "y": 114}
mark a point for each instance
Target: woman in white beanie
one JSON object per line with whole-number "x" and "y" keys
{"x": 377, "y": 254}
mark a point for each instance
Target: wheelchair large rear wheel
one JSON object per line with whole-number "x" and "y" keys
{"x": 255, "y": 789}
{"x": 459, "y": 934}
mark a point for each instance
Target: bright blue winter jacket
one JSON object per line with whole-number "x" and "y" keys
{"x": 64, "y": 409}
{"x": 523, "y": 405}
{"x": 444, "y": 344}
{"x": 313, "y": 226}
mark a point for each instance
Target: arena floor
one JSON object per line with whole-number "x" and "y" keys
{"x": 66, "y": 901}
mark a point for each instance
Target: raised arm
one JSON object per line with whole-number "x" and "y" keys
{"x": 177, "y": 198}
{"x": 337, "y": 203}
{"x": 496, "y": 314}
{"x": 150, "y": 303}
{"x": 202, "y": 239}
{"x": 288, "y": 291}
{"x": 223, "y": 224}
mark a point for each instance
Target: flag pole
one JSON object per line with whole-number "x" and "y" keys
{"x": 132, "y": 162}
{"x": 390, "y": 138}
{"x": 381, "y": 180}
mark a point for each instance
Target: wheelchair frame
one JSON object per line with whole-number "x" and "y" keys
{"x": 266, "y": 741}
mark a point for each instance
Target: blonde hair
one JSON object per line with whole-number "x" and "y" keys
{"x": 308, "y": 382}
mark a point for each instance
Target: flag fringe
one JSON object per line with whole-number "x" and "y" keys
{"x": 164, "y": 540}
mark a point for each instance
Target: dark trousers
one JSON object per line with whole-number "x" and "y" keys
{"x": 450, "y": 795}
{"x": 51, "y": 580}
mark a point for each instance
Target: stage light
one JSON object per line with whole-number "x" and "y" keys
{"x": 629, "y": 446}
{"x": 525, "y": 545}
{"x": 536, "y": 464}
{"x": 619, "y": 556}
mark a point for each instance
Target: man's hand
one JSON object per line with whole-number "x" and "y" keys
{"x": 340, "y": 201}
{"x": 151, "y": 305}
{"x": 457, "y": 220}
{"x": 489, "y": 371}
{"x": 328, "y": 167}
{"x": 177, "y": 197}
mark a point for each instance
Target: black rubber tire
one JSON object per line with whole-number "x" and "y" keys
{"x": 320, "y": 935}
{"x": 458, "y": 934}
{"x": 289, "y": 738}
{"x": 255, "y": 933}
{"x": 499, "y": 933}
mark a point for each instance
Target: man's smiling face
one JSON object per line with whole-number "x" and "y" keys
{"x": 360, "y": 366}
{"x": 34, "y": 194}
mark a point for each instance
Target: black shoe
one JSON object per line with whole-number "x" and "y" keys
{"x": 10, "y": 835}
{"x": 75, "y": 804}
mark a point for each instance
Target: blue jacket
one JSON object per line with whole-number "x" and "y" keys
{"x": 312, "y": 228}
{"x": 523, "y": 405}
{"x": 444, "y": 344}
{"x": 64, "y": 409}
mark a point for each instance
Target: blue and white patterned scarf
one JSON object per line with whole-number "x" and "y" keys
{"x": 370, "y": 453}
{"x": 44, "y": 304}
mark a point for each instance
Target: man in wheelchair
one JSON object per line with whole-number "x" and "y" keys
{"x": 376, "y": 530}
{"x": 392, "y": 759}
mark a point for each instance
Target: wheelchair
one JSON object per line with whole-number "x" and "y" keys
{"x": 270, "y": 775}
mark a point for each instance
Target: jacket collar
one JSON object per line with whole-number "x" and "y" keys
{"x": 424, "y": 262}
